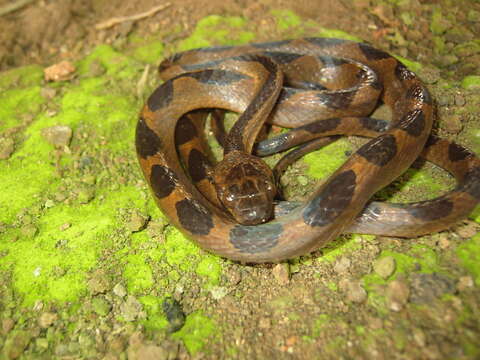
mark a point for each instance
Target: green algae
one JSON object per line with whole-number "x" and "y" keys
{"x": 150, "y": 52}
{"x": 324, "y": 162}
{"x": 156, "y": 320}
{"x": 320, "y": 324}
{"x": 471, "y": 82}
{"x": 469, "y": 255}
{"x": 18, "y": 103}
{"x": 138, "y": 274}
{"x": 338, "y": 34}
{"x": 286, "y": 19}
{"x": 342, "y": 245}
{"x": 215, "y": 29}
{"x": 196, "y": 331}
{"x": 210, "y": 267}
{"x": 179, "y": 251}
{"x": 53, "y": 265}
{"x": 23, "y": 77}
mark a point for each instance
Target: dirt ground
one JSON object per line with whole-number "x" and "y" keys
{"x": 314, "y": 307}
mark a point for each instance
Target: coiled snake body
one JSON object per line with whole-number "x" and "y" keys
{"x": 329, "y": 86}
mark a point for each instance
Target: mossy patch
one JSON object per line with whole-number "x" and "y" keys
{"x": 216, "y": 30}
{"x": 324, "y": 162}
{"x": 469, "y": 254}
{"x": 196, "y": 332}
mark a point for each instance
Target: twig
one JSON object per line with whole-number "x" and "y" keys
{"x": 142, "y": 82}
{"x": 117, "y": 20}
{"x": 14, "y": 6}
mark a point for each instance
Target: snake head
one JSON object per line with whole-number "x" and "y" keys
{"x": 245, "y": 186}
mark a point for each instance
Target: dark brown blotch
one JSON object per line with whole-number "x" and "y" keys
{"x": 185, "y": 130}
{"x": 282, "y": 57}
{"x": 371, "y": 53}
{"x": 413, "y": 123}
{"x": 432, "y": 140}
{"x": 457, "y": 152}
{"x": 194, "y": 217}
{"x": 432, "y": 209}
{"x": 321, "y": 126}
{"x": 255, "y": 239}
{"x": 147, "y": 141}
{"x": 471, "y": 183}
{"x": 324, "y": 208}
{"x": 380, "y": 150}
{"x": 161, "y": 97}
{"x": 336, "y": 100}
{"x": 198, "y": 165}
{"x": 374, "y": 124}
{"x": 162, "y": 180}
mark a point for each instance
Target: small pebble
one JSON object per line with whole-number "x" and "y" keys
{"x": 342, "y": 265}
{"x": 7, "y": 325}
{"x": 48, "y": 92}
{"x": 16, "y": 344}
{"x": 137, "y": 222}
{"x": 459, "y": 100}
{"x": 452, "y": 124}
{"x": 131, "y": 309}
{"x": 58, "y": 135}
{"x": 468, "y": 230}
{"x": 419, "y": 337}
{"x": 465, "y": 282}
{"x": 61, "y": 71}
{"x": 29, "y": 231}
{"x": 264, "y": 323}
{"x": 384, "y": 267}
{"x": 101, "y": 306}
{"x": 354, "y": 292}
{"x": 397, "y": 295}
{"x": 117, "y": 344}
{"x": 99, "y": 282}
{"x": 47, "y": 319}
{"x": 281, "y": 273}
{"x": 119, "y": 290}
{"x": 65, "y": 226}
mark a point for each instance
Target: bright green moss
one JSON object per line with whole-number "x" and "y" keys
{"x": 156, "y": 320}
{"x": 469, "y": 254}
{"x": 196, "y": 331}
{"x": 17, "y": 103}
{"x": 25, "y": 76}
{"x": 150, "y": 52}
{"x": 210, "y": 267}
{"x": 324, "y": 162}
{"x": 138, "y": 274}
{"x": 215, "y": 30}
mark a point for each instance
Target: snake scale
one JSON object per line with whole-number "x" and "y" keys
{"x": 321, "y": 88}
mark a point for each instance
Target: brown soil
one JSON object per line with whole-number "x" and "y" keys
{"x": 46, "y": 31}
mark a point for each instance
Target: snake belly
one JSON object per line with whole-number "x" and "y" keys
{"x": 225, "y": 78}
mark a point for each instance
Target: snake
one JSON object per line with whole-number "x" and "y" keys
{"x": 321, "y": 89}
